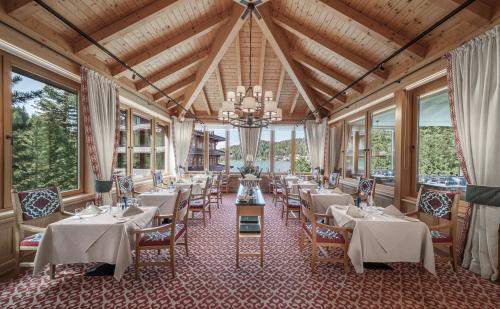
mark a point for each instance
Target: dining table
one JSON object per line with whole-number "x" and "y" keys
{"x": 198, "y": 185}
{"x": 324, "y": 198}
{"x": 303, "y": 184}
{"x": 381, "y": 238}
{"x": 101, "y": 238}
{"x": 164, "y": 199}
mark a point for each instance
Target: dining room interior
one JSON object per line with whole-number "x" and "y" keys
{"x": 250, "y": 154}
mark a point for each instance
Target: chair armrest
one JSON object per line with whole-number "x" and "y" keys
{"x": 67, "y": 213}
{"x": 411, "y": 213}
{"x": 164, "y": 216}
{"x": 32, "y": 228}
{"x": 440, "y": 226}
{"x": 152, "y": 229}
{"x": 335, "y": 228}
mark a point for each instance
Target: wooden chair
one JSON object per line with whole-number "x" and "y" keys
{"x": 277, "y": 191}
{"x": 158, "y": 181}
{"x": 321, "y": 235}
{"x": 440, "y": 204}
{"x": 160, "y": 237}
{"x": 215, "y": 196}
{"x": 201, "y": 202}
{"x": 365, "y": 189}
{"x": 34, "y": 211}
{"x": 271, "y": 182}
{"x": 124, "y": 186}
{"x": 333, "y": 180}
{"x": 291, "y": 202}
{"x": 225, "y": 182}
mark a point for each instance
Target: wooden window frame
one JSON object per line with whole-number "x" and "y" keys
{"x": 158, "y": 122}
{"x": 131, "y": 139}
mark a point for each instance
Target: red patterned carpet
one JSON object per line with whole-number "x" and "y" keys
{"x": 208, "y": 279}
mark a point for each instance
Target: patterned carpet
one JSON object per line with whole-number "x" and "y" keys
{"x": 208, "y": 279}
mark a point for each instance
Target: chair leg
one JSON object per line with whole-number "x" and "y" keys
{"x": 314, "y": 256}
{"x": 301, "y": 244}
{"x": 136, "y": 266}
{"x": 453, "y": 259}
{"x": 52, "y": 271}
{"x": 186, "y": 243}
{"x": 172, "y": 259}
{"x": 287, "y": 215}
{"x": 210, "y": 211}
{"x": 346, "y": 260}
{"x": 203, "y": 213}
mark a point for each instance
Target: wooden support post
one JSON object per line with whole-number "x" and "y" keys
{"x": 403, "y": 140}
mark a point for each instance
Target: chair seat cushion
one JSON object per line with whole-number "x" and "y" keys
{"x": 279, "y": 191}
{"x": 324, "y": 234}
{"x": 161, "y": 238}
{"x": 293, "y": 203}
{"x": 214, "y": 191}
{"x": 199, "y": 203}
{"x": 440, "y": 237}
{"x": 32, "y": 240}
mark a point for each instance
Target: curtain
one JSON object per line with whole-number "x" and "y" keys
{"x": 335, "y": 147}
{"x": 249, "y": 141}
{"x": 316, "y": 139}
{"x": 100, "y": 104}
{"x": 182, "y": 135}
{"x": 474, "y": 90}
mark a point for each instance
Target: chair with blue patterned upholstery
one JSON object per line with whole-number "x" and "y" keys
{"x": 201, "y": 203}
{"x": 158, "y": 179}
{"x": 290, "y": 201}
{"x": 440, "y": 205}
{"x": 124, "y": 186}
{"x": 365, "y": 189}
{"x": 165, "y": 236}
{"x": 333, "y": 180}
{"x": 34, "y": 211}
{"x": 321, "y": 235}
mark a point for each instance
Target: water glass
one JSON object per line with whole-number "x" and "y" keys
{"x": 78, "y": 212}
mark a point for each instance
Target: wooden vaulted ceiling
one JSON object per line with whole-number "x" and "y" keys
{"x": 305, "y": 51}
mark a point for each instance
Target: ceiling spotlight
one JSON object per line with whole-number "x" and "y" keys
{"x": 344, "y": 93}
{"x": 398, "y": 81}
{"x": 381, "y": 67}
{"x": 133, "y": 76}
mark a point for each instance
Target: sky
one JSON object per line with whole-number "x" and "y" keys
{"x": 28, "y": 84}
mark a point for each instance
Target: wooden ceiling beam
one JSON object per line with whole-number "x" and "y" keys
{"x": 126, "y": 24}
{"x": 182, "y": 64}
{"x": 205, "y": 102}
{"x": 280, "y": 85}
{"x": 175, "y": 87}
{"x": 279, "y": 43}
{"x": 310, "y": 62}
{"x": 477, "y": 13}
{"x": 20, "y": 8}
{"x": 262, "y": 60}
{"x": 238, "y": 60}
{"x": 302, "y": 32}
{"x": 327, "y": 90}
{"x": 169, "y": 42}
{"x": 373, "y": 28}
{"x": 223, "y": 39}
{"x": 220, "y": 87}
{"x": 294, "y": 102}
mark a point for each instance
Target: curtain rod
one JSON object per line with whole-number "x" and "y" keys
{"x": 112, "y": 55}
{"x": 380, "y": 66}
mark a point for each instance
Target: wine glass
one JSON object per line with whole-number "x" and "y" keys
{"x": 78, "y": 212}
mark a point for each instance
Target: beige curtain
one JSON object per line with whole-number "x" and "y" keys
{"x": 335, "y": 147}
{"x": 249, "y": 141}
{"x": 183, "y": 132}
{"x": 315, "y": 133}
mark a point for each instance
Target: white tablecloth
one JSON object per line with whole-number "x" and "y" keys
{"x": 305, "y": 185}
{"x": 96, "y": 239}
{"x": 197, "y": 186}
{"x": 382, "y": 238}
{"x": 326, "y": 198}
{"x": 163, "y": 199}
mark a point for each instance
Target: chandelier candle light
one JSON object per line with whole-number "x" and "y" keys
{"x": 249, "y": 107}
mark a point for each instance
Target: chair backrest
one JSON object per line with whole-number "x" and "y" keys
{"x": 306, "y": 203}
{"x": 124, "y": 185}
{"x": 367, "y": 186}
{"x": 334, "y": 178}
{"x": 284, "y": 184}
{"x": 208, "y": 186}
{"x": 37, "y": 204}
{"x": 181, "y": 206}
{"x": 157, "y": 178}
{"x": 438, "y": 203}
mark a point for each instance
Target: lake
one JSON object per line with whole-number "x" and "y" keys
{"x": 279, "y": 165}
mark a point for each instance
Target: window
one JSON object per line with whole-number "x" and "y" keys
{"x": 45, "y": 134}
{"x": 283, "y": 149}
{"x": 235, "y": 157}
{"x": 141, "y": 128}
{"x": 160, "y": 149}
{"x": 302, "y": 161}
{"x": 197, "y": 150}
{"x": 262, "y": 159}
{"x": 355, "y": 155}
{"x": 121, "y": 164}
{"x": 437, "y": 162}
{"x": 382, "y": 146}
{"x": 217, "y": 150}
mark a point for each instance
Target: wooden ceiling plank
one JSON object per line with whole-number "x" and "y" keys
{"x": 280, "y": 85}
{"x": 262, "y": 60}
{"x": 373, "y": 27}
{"x": 171, "y": 41}
{"x": 223, "y": 39}
{"x": 327, "y": 90}
{"x": 220, "y": 87}
{"x": 294, "y": 102}
{"x": 280, "y": 45}
{"x": 182, "y": 64}
{"x": 205, "y": 102}
{"x": 351, "y": 56}
{"x": 238, "y": 59}
{"x": 127, "y": 24}
{"x": 477, "y": 13}
{"x": 175, "y": 87}
{"x": 310, "y": 62}
{"x": 20, "y": 8}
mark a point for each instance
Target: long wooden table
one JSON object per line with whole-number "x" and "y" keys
{"x": 254, "y": 207}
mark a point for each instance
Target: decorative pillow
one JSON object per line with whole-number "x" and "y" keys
{"x": 39, "y": 203}
{"x": 436, "y": 203}
{"x": 125, "y": 183}
{"x": 365, "y": 185}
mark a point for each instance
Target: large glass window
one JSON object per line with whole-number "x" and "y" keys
{"x": 302, "y": 161}
{"x": 217, "y": 150}
{"x": 160, "y": 149}
{"x": 44, "y": 134}
{"x": 262, "y": 159}
{"x": 121, "y": 164}
{"x": 235, "y": 157}
{"x": 437, "y": 162}
{"x": 283, "y": 149}
{"x": 141, "y": 128}
{"x": 355, "y": 154}
{"x": 196, "y": 152}
{"x": 382, "y": 146}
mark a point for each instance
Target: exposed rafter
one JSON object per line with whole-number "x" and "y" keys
{"x": 262, "y": 60}
{"x": 310, "y": 62}
{"x": 175, "y": 87}
{"x": 280, "y": 45}
{"x": 170, "y": 41}
{"x": 205, "y": 102}
{"x": 477, "y": 13}
{"x": 127, "y": 24}
{"x": 238, "y": 59}
{"x": 182, "y": 64}
{"x": 280, "y": 84}
{"x": 294, "y": 102}
{"x": 327, "y": 90}
{"x": 20, "y": 8}
{"x": 223, "y": 39}
{"x": 372, "y": 27}
{"x": 220, "y": 87}
{"x": 302, "y": 32}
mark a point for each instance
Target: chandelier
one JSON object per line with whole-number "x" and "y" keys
{"x": 248, "y": 107}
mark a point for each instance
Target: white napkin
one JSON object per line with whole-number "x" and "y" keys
{"x": 393, "y": 211}
{"x": 132, "y": 211}
{"x": 355, "y": 212}
{"x": 250, "y": 176}
{"x": 244, "y": 198}
{"x": 91, "y": 210}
